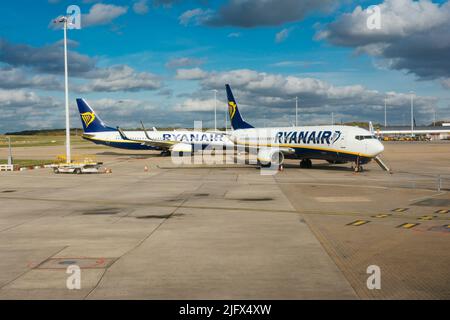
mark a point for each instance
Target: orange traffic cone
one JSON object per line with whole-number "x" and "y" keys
{"x": 145, "y": 169}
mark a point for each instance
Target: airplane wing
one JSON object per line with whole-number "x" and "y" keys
{"x": 166, "y": 144}
{"x": 251, "y": 146}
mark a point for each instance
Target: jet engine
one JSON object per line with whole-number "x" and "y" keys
{"x": 270, "y": 156}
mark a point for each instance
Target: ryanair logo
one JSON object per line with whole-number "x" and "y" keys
{"x": 88, "y": 118}
{"x": 231, "y": 109}
{"x": 307, "y": 137}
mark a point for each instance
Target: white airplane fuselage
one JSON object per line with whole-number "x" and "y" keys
{"x": 332, "y": 143}
{"x": 114, "y": 139}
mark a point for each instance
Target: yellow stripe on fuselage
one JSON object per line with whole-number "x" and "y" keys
{"x": 106, "y": 140}
{"x": 298, "y": 146}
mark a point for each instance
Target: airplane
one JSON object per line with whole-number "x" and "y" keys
{"x": 95, "y": 130}
{"x": 336, "y": 144}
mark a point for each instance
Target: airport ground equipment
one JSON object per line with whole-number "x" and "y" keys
{"x": 78, "y": 168}
{"x": 6, "y": 167}
{"x": 86, "y": 166}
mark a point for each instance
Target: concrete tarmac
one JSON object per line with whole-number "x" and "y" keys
{"x": 202, "y": 232}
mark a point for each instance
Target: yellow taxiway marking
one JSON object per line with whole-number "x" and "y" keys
{"x": 442, "y": 211}
{"x": 425, "y": 218}
{"x": 400, "y": 209}
{"x": 408, "y": 225}
{"x": 358, "y": 223}
{"x": 381, "y": 215}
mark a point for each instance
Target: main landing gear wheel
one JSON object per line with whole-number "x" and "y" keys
{"x": 306, "y": 164}
{"x": 165, "y": 153}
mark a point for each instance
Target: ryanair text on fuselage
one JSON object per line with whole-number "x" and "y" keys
{"x": 306, "y": 137}
{"x": 193, "y": 137}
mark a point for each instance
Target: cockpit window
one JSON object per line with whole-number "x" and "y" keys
{"x": 364, "y": 137}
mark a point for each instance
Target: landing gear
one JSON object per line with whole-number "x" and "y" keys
{"x": 306, "y": 164}
{"x": 358, "y": 166}
{"x": 165, "y": 153}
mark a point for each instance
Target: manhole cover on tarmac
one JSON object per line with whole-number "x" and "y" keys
{"x": 83, "y": 263}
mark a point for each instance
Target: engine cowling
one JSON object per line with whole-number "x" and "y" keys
{"x": 270, "y": 156}
{"x": 181, "y": 148}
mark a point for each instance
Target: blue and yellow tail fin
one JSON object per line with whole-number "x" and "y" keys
{"x": 235, "y": 116}
{"x": 91, "y": 122}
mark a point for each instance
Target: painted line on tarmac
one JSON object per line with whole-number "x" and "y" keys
{"x": 400, "y": 209}
{"x": 382, "y": 215}
{"x": 358, "y": 223}
{"x": 408, "y": 225}
{"x": 426, "y": 218}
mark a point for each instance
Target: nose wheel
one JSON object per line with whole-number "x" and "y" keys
{"x": 306, "y": 164}
{"x": 358, "y": 166}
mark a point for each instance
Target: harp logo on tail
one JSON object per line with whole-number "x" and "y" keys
{"x": 88, "y": 118}
{"x": 232, "y": 109}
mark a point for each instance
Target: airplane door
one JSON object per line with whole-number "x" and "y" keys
{"x": 342, "y": 141}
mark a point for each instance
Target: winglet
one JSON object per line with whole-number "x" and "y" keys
{"x": 122, "y": 134}
{"x": 145, "y": 131}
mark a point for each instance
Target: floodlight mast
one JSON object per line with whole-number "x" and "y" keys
{"x": 65, "y": 20}
{"x": 215, "y": 109}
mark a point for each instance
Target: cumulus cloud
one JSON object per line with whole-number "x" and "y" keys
{"x": 446, "y": 83}
{"x": 414, "y": 36}
{"x": 282, "y": 35}
{"x": 166, "y": 3}
{"x": 274, "y": 94}
{"x": 15, "y": 99}
{"x": 15, "y": 78}
{"x": 101, "y": 14}
{"x": 190, "y": 74}
{"x": 193, "y": 105}
{"x": 122, "y": 78}
{"x": 141, "y": 7}
{"x": 47, "y": 61}
{"x": 27, "y": 110}
{"x": 266, "y": 12}
{"x": 183, "y": 62}
{"x": 234, "y": 35}
{"x": 194, "y": 16}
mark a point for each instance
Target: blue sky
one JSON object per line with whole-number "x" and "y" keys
{"x": 158, "y": 61}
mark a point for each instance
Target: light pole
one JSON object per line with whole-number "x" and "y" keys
{"x": 296, "y": 111}
{"x": 65, "y": 20}
{"x": 10, "y": 159}
{"x": 412, "y": 113}
{"x": 226, "y": 121}
{"x": 385, "y": 113}
{"x": 215, "y": 109}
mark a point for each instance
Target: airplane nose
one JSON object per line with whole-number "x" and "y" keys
{"x": 379, "y": 148}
